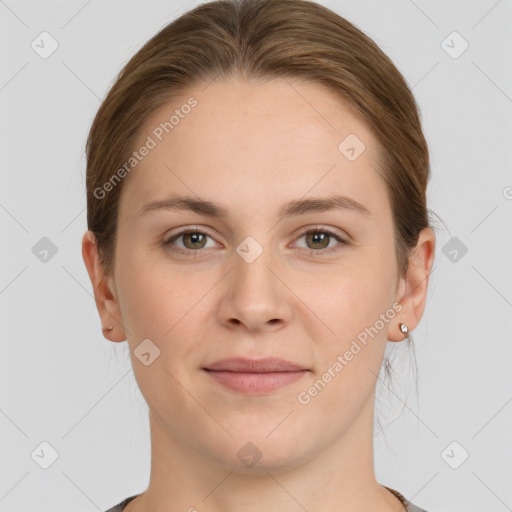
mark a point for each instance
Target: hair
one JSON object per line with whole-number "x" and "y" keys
{"x": 262, "y": 40}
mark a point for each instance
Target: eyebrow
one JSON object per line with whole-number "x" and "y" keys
{"x": 293, "y": 208}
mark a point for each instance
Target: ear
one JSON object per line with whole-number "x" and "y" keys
{"x": 104, "y": 290}
{"x": 412, "y": 289}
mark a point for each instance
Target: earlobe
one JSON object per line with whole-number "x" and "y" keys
{"x": 403, "y": 328}
{"x": 412, "y": 292}
{"x": 106, "y": 302}
{"x": 399, "y": 331}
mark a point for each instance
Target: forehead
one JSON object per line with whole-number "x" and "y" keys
{"x": 240, "y": 140}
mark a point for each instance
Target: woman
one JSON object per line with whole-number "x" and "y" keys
{"x": 258, "y": 231}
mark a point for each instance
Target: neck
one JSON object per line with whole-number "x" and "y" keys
{"x": 338, "y": 478}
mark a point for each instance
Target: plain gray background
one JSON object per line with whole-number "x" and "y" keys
{"x": 62, "y": 383}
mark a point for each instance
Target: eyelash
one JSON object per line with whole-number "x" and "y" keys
{"x": 171, "y": 247}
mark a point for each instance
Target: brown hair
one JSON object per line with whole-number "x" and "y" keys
{"x": 262, "y": 39}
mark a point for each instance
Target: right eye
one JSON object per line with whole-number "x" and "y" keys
{"x": 193, "y": 241}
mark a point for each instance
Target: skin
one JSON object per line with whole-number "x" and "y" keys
{"x": 253, "y": 148}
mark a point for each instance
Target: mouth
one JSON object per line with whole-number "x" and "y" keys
{"x": 252, "y": 376}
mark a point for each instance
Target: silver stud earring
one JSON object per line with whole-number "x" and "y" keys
{"x": 404, "y": 328}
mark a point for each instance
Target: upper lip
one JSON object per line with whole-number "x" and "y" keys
{"x": 267, "y": 365}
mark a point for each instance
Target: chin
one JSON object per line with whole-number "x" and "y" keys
{"x": 252, "y": 451}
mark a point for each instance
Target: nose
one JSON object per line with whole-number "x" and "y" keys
{"x": 255, "y": 296}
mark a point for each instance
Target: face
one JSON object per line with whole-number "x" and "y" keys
{"x": 255, "y": 283}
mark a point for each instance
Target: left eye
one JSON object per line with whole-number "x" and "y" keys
{"x": 321, "y": 237}
{"x": 195, "y": 240}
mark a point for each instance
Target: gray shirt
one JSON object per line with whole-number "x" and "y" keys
{"x": 407, "y": 504}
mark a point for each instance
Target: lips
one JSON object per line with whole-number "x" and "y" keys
{"x": 243, "y": 365}
{"x": 255, "y": 376}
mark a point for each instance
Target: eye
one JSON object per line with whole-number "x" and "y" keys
{"x": 193, "y": 240}
{"x": 318, "y": 240}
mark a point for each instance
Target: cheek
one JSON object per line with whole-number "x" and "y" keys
{"x": 353, "y": 296}
{"x": 357, "y": 305}
{"x": 153, "y": 296}
{"x": 156, "y": 302}
{"x": 359, "y": 341}
{"x": 350, "y": 360}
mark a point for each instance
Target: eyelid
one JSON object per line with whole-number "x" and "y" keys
{"x": 193, "y": 228}
{"x": 343, "y": 235}
{"x": 183, "y": 231}
{"x": 343, "y": 239}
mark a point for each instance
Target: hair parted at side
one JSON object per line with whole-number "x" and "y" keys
{"x": 261, "y": 40}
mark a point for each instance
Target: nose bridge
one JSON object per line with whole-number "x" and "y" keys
{"x": 255, "y": 296}
{"x": 252, "y": 262}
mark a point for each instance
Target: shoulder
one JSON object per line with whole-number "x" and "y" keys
{"x": 120, "y": 506}
{"x": 410, "y": 507}
{"x": 413, "y": 508}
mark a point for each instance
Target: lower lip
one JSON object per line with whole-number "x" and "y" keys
{"x": 254, "y": 383}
